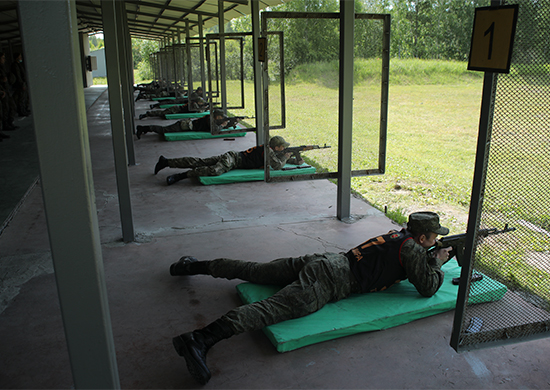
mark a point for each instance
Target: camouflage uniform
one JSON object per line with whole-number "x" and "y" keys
{"x": 169, "y": 110}
{"x": 311, "y": 281}
{"x": 183, "y": 125}
{"x": 176, "y": 127}
{"x": 216, "y": 165}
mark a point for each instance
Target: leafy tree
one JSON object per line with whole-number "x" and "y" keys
{"x": 95, "y": 42}
{"x": 141, "y": 54}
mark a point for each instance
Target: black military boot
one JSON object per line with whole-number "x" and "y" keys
{"x": 142, "y": 116}
{"x": 161, "y": 164}
{"x": 141, "y": 130}
{"x": 175, "y": 178}
{"x": 193, "y": 346}
{"x": 188, "y": 265}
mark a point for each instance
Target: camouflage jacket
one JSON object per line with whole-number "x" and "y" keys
{"x": 382, "y": 261}
{"x": 253, "y": 158}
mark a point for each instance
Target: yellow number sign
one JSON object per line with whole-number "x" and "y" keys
{"x": 493, "y": 38}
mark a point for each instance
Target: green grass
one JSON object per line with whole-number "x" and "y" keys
{"x": 100, "y": 80}
{"x": 402, "y": 72}
{"x": 432, "y": 131}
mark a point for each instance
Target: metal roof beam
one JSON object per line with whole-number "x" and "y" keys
{"x": 171, "y": 8}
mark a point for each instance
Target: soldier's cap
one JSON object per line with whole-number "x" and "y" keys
{"x": 426, "y": 221}
{"x": 216, "y": 113}
{"x": 195, "y": 97}
{"x": 278, "y": 141}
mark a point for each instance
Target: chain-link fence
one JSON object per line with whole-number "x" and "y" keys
{"x": 516, "y": 192}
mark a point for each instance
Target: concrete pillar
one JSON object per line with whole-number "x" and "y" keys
{"x": 345, "y": 109}
{"x": 114, "y": 81}
{"x": 47, "y": 28}
{"x": 85, "y": 52}
{"x": 258, "y": 74}
{"x": 223, "y": 72}
{"x": 126, "y": 78}
{"x": 201, "y": 56}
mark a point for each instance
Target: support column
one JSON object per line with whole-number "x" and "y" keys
{"x": 223, "y": 73}
{"x": 345, "y": 109}
{"x": 202, "y": 60}
{"x": 126, "y": 77}
{"x": 67, "y": 186}
{"x": 112, "y": 50}
{"x": 258, "y": 74}
{"x": 189, "y": 62}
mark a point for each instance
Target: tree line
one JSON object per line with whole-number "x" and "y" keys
{"x": 422, "y": 29}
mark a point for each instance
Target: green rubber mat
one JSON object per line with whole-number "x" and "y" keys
{"x": 164, "y": 98}
{"x": 242, "y": 175}
{"x": 397, "y": 305}
{"x": 192, "y": 135}
{"x": 187, "y": 115}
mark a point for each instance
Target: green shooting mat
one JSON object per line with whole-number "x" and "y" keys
{"x": 242, "y": 175}
{"x": 398, "y": 305}
{"x": 163, "y": 106}
{"x": 187, "y": 115}
{"x": 164, "y": 98}
{"x": 192, "y": 135}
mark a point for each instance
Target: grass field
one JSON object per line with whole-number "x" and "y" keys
{"x": 432, "y": 133}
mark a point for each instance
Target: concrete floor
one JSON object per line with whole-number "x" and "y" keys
{"x": 251, "y": 221}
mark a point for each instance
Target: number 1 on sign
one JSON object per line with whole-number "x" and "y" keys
{"x": 491, "y": 31}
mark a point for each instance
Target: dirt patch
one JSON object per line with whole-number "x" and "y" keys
{"x": 539, "y": 260}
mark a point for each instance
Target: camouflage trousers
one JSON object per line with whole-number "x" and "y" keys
{"x": 162, "y": 113}
{"x": 210, "y": 166}
{"x": 309, "y": 283}
{"x": 177, "y": 127}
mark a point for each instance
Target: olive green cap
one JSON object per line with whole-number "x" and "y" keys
{"x": 278, "y": 141}
{"x": 426, "y": 221}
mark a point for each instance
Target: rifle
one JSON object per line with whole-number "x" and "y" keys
{"x": 296, "y": 167}
{"x": 458, "y": 241}
{"x": 232, "y": 121}
{"x": 295, "y": 150}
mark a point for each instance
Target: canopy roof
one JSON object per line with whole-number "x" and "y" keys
{"x": 148, "y": 19}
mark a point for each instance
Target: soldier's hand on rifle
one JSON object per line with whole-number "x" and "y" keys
{"x": 443, "y": 253}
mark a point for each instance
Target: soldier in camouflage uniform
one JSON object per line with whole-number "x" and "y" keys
{"x": 311, "y": 281}
{"x": 252, "y": 158}
{"x": 200, "y": 124}
{"x": 195, "y": 104}
{"x": 196, "y": 96}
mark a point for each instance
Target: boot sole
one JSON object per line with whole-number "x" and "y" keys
{"x": 199, "y": 375}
